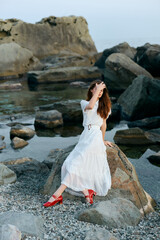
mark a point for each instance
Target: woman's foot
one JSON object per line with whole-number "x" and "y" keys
{"x": 53, "y": 200}
{"x": 89, "y": 196}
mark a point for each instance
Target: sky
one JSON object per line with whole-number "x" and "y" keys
{"x": 110, "y": 22}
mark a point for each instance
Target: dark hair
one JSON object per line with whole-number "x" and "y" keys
{"x": 104, "y": 101}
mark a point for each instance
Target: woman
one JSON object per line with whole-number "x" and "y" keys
{"x": 85, "y": 171}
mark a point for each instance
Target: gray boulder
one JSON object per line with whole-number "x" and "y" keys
{"x": 66, "y": 74}
{"x": 136, "y": 136}
{"x": 15, "y": 60}
{"x": 27, "y": 223}
{"x": 70, "y": 109}
{"x": 141, "y": 99}
{"x": 25, "y": 166}
{"x": 146, "y": 123}
{"x": 120, "y": 71}
{"x": 21, "y": 132}
{"x": 6, "y": 175}
{"x": 148, "y": 56}
{"x": 120, "y": 48}
{"x": 48, "y": 119}
{"x": 101, "y": 234}
{"x": 115, "y": 213}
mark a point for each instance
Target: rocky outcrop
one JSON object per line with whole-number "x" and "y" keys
{"x": 16, "y": 60}
{"x": 136, "y": 136}
{"x": 66, "y": 74}
{"x": 120, "y": 71}
{"x": 21, "y": 132}
{"x": 49, "y": 36}
{"x": 148, "y": 56}
{"x": 141, "y": 99}
{"x": 120, "y": 48}
{"x": 48, "y": 119}
{"x": 6, "y": 175}
{"x": 115, "y": 213}
{"x": 125, "y": 182}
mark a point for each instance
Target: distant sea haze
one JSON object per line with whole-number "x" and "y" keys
{"x": 102, "y": 44}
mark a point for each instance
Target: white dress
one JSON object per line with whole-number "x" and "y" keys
{"x": 86, "y": 167}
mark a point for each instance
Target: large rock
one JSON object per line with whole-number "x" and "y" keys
{"x": 49, "y": 36}
{"x": 70, "y": 109}
{"x": 141, "y": 99}
{"x": 148, "y": 174}
{"x": 120, "y": 71}
{"x": 146, "y": 123}
{"x": 115, "y": 213}
{"x": 66, "y": 74}
{"x": 16, "y": 60}
{"x": 6, "y": 175}
{"x": 99, "y": 234}
{"x": 21, "y": 132}
{"x": 26, "y": 166}
{"x": 120, "y": 48}
{"x": 136, "y": 136}
{"x": 124, "y": 179}
{"x": 48, "y": 119}
{"x": 148, "y": 56}
{"x": 27, "y": 223}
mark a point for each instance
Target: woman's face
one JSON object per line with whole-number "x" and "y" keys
{"x": 100, "y": 93}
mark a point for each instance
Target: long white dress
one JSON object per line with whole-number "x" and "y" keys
{"x": 86, "y": 167}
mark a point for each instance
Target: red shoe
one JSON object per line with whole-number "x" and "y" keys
{"x": 90, "y": 195}
{"x": 57, "y": 199}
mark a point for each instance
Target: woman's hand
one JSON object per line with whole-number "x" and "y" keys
{"x": 100, "y": 86}
{"x": 107, "y": 143}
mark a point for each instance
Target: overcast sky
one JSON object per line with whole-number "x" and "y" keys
{"x": 110, "y": 21}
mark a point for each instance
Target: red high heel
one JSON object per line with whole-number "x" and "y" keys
{"x": 57, "y": 199}
{"x": 90, "y": 195}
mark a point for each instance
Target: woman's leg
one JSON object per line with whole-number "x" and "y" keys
{"x": 58, "y": 192}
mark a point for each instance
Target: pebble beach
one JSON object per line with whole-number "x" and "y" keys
{"x": 60, "y": 220}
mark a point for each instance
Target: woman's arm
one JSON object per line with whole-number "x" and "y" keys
{"x": 103, "y": 129}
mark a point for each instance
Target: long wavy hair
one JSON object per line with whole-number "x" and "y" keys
{"x": 104, "y": 101}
